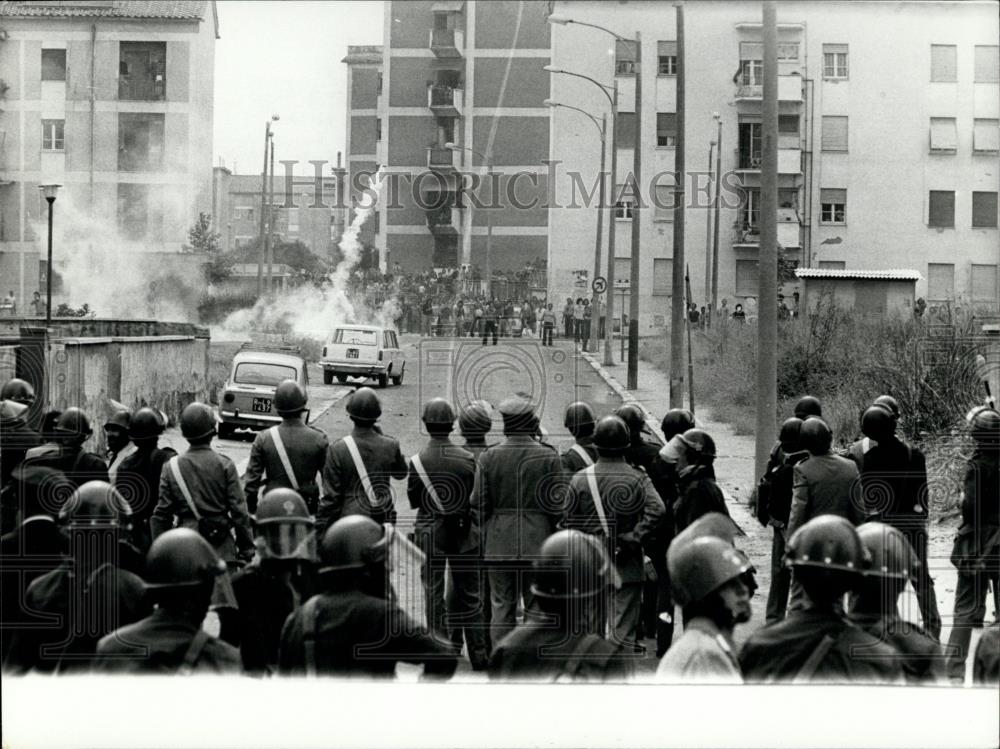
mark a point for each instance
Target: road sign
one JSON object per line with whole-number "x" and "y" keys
{"x": 599, "y": 285}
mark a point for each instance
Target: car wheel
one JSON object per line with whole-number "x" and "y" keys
{"x": 383, "y": 381}
{"x": 328, "y": 377}
{"x": 341, "y": 379}
{"x": 226, "y": 431}
{"x": 398, "y": 379}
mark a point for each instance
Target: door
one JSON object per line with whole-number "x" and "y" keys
{"x": 870, "y": 298}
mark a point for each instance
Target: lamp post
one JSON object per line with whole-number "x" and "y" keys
{"x": 49, "y": 192}
{"x": 708, "y": 233}
{"x": 263, "y": 205}
{"x": 611, "y": 92}
{"x": 602, "y": 129}
{"x": 636, "y": 266}
{"x": 715, "y": 204}
{"x": 488, "y": 163}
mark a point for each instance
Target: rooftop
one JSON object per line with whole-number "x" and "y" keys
{"x": 369, "y": 53}
{"x": 175, "y": 9}
{"x": 893, "y": 274}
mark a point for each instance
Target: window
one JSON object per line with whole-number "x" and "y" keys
{"x": 666, "y": 61}
{"x": 625, "y": 129}
{"x": 623, "y": 273}
{"x": 944, "y": 134}
{"x": 788, "y": 123}
{"x": 625, "y": 202}
{"x": 941, "y": 209}
{"x": 663, "y": 276}
{"x": 356, "y": 337}
{"x": 746, "y": 278}
{"x": 984, "y": 210}
{"x": 984, "y": 283}
{"x": 833, "y": 206}
{"x": 749, "y": 211}
{"x": 832, "y": 264}
{"x": 378, "y": 84}
{"x": 53, "y": 65}
{"x": 987, "y": 64}
{"x": 378, "y": 128}
{"x": 293, "y": 220}
{"x": 835, "y": 61}
{"x": 788, "y": 51}
{"x": 834, "y": 135}
{"x": 247, "y": 214}
{"x": 986, "y": 136}
{"x": 259, "y": 373}
{"x": 52, "y": 135}
{"x": 940, "y": 282}
{"x": 750, "y": 145}
{"x": 666, "y": 129}
{"x": 140, "y": 142}
{"x": 142, "y": 71}
{"x": 944, "y": 66}
{"x": 663, "y": 206}
{"x": 625, "y": 57}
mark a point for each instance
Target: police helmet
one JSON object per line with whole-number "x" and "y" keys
{"x": 827, "y": 542}
{"x": 702, "y": 565}
{"x": 438, "y": 412}
{"x": 197, "y": 421}
{"x": 815, "y": 436}
{"x": 633, "y": 417}
{"x": 96, "y": 503}
{"x": 363, "y": 405}
{"x": 571, "y": 564}
{"x": 580, "y": 418}
{"x": 611, "y": 435}
{"x": 289, "y": 398}
{"x": 18, "y": 390}
{"x": 120, "y": 419}
{"x": 790, "y": 435}
{"x": 73, "y": 421}
{"x": 181, "y": 558}
{"x": 984, "y": 425}
{"x": 892, "y": 556}
{"x": 807, "y": 406}
{"x": 888, "y": 402}
{"x": 353, "y": 542}
{"x": 700, "y": 442}
{"x": 877, "y": 423}
{"x": 282, "y": 506}
{"x": 677, "y": 421}
{"x": 145, "y": 424}
{"x": 476, "y": 418}
{"x": 711, "y": 524}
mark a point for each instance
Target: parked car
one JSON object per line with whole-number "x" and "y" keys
{"x": 367, "y": 351}
{"x": 248, "y": 398}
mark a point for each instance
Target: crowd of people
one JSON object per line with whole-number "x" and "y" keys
{"x": 538, "y": 564}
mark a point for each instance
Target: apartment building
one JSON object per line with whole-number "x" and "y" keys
{"x": 114, "y": 101}
{"x": 888, "y": 151}
{"x": 469, "y": 74}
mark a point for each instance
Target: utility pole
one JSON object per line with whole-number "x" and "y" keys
{"x": 636, "y": 266}
{"x": 595, "y": 318}
{"x": 270, "y": 223}
{"x": 767, "y": 273}
{"x": 609, "y": 313}
{"x": 708, "y": 230}
{"x": 715, "y": 203}
{"x": 677, "y": 311}
{"x": 263, "y": 209}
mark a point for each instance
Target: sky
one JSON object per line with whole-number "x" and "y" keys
{"x": 284, "y": 57}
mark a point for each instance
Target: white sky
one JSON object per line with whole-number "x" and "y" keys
{"x": 284, "y": 57}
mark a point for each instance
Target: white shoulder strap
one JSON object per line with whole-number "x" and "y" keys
{"x": 359, "y": 466}
{"x": 279, "y": 445}
{"x": 596, "y": 494}
{"x": 584, "y": 455}
{"x": 175, "y": 469}
{"x": 418, "y": 466}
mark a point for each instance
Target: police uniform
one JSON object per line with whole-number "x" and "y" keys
{"x": 138, "y": 481}
{"x": 780, "y": 472}
{"x": 536, "y": 651}
{"x": 986, "y": 669}
{"x": 306, "y": 448}
{"x": 16, "y": 438}
{"x": 572, "y": 460}
{"x": 78, "y": 465}
{"x": 344, "y": 493}
{"x": 476, "y": 446}
{"x": 447, "y": 529}
{"x": 919, "y": 653}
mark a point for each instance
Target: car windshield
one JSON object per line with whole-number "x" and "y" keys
{"x": 356, "y": 337}
{"x": 260, "y": 373}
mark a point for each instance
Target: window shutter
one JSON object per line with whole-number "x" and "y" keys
{"x": 746, "y": 277}
{"x": 663, "y": 208}
{"x": 834, "y": 137}
{"x": 984, "y": 283}
{"x": 986, "y": 135}
{"x": 944, "y": 134}
{"x": 987, "y": 64}
{"x": 833, "y": 195}
{"x": 984, "y": 210}
{"x": 623, "y": 269}
{"x": 666, "y": 124}
{"x": 666, "y": 49}
{"x": 751, "y": 51}
{"x": 663, "y": 275}
{"x": 944, "y": 66}
{"x": 829, "y": 49}
{"x": 940, "y": 281}
{"x": 625, "y": 50}
{"x": 625, "y": 130}
{"x": 832, "y": 264}
{"x": 941, "y": 208}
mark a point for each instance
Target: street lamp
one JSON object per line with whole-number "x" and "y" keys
{"x": 49, "y": 192}
{"x": 263, "y": 205}
{"x": 488, "y": 162}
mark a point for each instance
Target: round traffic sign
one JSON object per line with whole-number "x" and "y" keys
{"x": 599, "y": 285}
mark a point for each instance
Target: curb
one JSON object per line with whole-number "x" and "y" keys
{"x": 622, "y": 392}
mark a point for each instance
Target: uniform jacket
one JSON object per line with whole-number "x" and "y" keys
{"x": 632, "y": 509}
{"x": 698, "y": 494}
{"x": 15, "y": 440}
{"x": 452, "y": 472}
{"x": 78, "y": 465}
{"x": 571, "y": 460}
{"x": 981, "y": 504}
{"x": 919, "y": 654}
{"x": 986, "y": 667}
{"x": 361, "y": 635}
{"x": 824, "y": 485}
{"x": 215, "y": 488}
{"x": 700, "y": 656}
{"x": 782, "y": 475}
{"x": 138, "y": 480}
{"x": 115, "y": 460}
{"x": 477, "y": 448}
{"x": 306, "y": 447}
{"x": 344, "y": 493}
{"x": 902, "y": 470}
{"x": 574, "y": 658}
{"x": 521, "y": 494}
{"x": 158, "y": 644}
{"x": 776, "y": 652}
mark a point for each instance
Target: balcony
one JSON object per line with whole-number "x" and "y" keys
{"x": 748, "y": 237}
{"x": 789, "y": 160}
{"x": 442, "y": 160}
{"x": 443, "y": 222}
{"x": 752, "y": 89}
{"x": 447, "y": 44}
{"x": 444, "y": 101}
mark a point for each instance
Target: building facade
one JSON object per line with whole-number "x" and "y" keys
{"x": 888, "y": 154}
{"x": 114, "y": 101}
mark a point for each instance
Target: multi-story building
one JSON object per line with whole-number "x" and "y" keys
{"x": 888, "y": 154}
{"x": 114, "y": 101}
{"x": 469, "y": 74}
{"x": 364, "y": 130}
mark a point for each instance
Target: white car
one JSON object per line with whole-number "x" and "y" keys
{"x": 367, "y": 351}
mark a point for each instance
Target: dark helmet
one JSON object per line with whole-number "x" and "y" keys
{"x": 815, "y": 436}
{"x": 700, "y": 442}
{"x": 74, "y": 421}
{"x": 181, "y": 558}
{"x": 289, "y": 398}
{"x": 18, "y": 390}
{"x": 892, "y": 556}
{"x": 282, "y": 506}
{"x": 353, "y": 542}
{"x": 633, "y": 417}
{"x": 518, "y": 414}
{"x": 790, "y": 435}
{"x": 197, "y": 421}
{"x": 364, "y": 405}
{"x": 702, "y": 565}
{"x": 611, "y": 434}
{"x": 121, "y": 419}
{"x": 677, "y": 421}
{"x": 984, "y": 425}
{"x": 877, "y": 423}
{"x": 439, "y": 412}
{"x": 11, "y": 411}
{"x": 827, "y": 542}
{"x": 42, "y": 490}
{"x": 95, "y": 503}
{"x": 476, "y": 418}
{"x": 889, "y": 402}
{"x": 145, "y": 424}
{"x": 571, "y": 564}
{"x": 807, "y": 406}
{"x": 579, "y": 416}
{"x": 713, "y": 524}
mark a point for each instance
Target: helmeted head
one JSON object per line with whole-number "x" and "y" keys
{"x": 827, "y": 556}
{"x": 116, "y": 429}
{"x": 580, "y": 419}
{"x": 476, "y": 419}
{"x": 96, "y": 504}
{"x": 877, "y": 423}
{"x": 890, "y": 403}
{"x": 12, "y": 412}
{"x": 712, "y": 525}
{"x": 984, "y": 426}
{"x": 611, "y": 436}
{"x": 519, "y": 416}
{"x": 438, "y": 416}
{"x": 790, "y": 436}
{"x": 706, "y": 574}
{"x": 284, "y": 527}
{"x": 18, "y": 390}
{"x": 633, "y": 416}
{"x": 290, "y": 398}
{"x": 807, "y": 406}
{"x": 198, "y": 423}
{"x": 146, "y": 424}
{"x": 892, "y": 558}
{"x": 354, "y": 543}
{"x": 700, "y": 447}
{"x": 676, "y": 421}
{"x": 364, "y": 406}
{"x": 40, "y": 490}
{"x": 73, "y": 426}
{"x": 181, "y": 568}
{"x": 574, "y": 579}
{"x": 815, "y": 436}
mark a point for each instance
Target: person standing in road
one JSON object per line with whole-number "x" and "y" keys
{"x": 567, "y": 313}
{"x": 738, "y": 314}
{"x": 580, "y": 420}
{"x": 138, "y": 477}
{"x": 65, "y": 452}
{"x": 490, "y": 323}
{"x": 698, "y": 492}
{"x": 548, "y": 325}
{"x": 474, "y": 423}
{"x": 578, "y": 320}
{"x": 290, "y": 454}
{"x": 119, "y": 444}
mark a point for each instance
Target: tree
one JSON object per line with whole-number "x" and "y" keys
{"x": 202, "y": 239}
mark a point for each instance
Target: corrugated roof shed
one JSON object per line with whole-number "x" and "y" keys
{"x": 171, "y": 9}
{"x": 893, "y": 274}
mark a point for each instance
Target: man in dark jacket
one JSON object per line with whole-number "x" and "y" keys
{"x": 65, "y": 452}
{"x": 16, "y": 438}
{"x": 474, "y": 423}
{"x": 138, "y": 477}
{"x": 580, "y": 420}
{"x": 698, "y": 492}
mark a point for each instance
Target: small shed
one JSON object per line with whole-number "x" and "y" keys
{"x": 872, "y": 292}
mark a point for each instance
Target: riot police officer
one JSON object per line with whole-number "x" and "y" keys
{"x": 563, "y": 638}
{"x": 138, "y": 477}
{"x": 807, "y": 406}
{"x": 16, "y": 437}
{"x": 117, "y": 439}
{"x": 358, "y": 467}
{"x": 698, "y": 492}
{"x": 579, "y": 421}
{"x": 65, "y": 451}
{"x": 19, "y": 391}
{"x": 290, "y": 454}
{"x": 474, "y": 423}
{"x": 181, "y": 571}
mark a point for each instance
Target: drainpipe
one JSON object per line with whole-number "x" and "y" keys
{"x": 93, "y": 94}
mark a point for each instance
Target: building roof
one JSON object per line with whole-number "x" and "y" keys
{"x": 250, "y": 183}
{"x": 186, "y": 10}
{"x": 370, "y": 53}
{"x": 893, "y": 274}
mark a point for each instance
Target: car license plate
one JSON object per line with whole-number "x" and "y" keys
{"x": 352, "y": 353}
{"x": 262, "y": 405}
